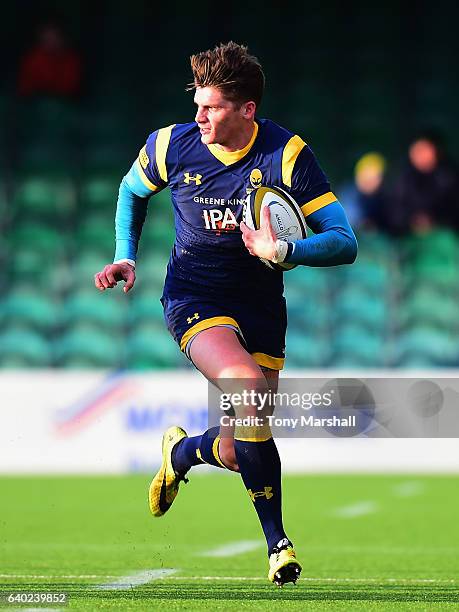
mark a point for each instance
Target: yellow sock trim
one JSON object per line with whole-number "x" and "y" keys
{"x": 215, "y": 452}
{"x": 251, "y": 433}
{"x": 259, "y": 439}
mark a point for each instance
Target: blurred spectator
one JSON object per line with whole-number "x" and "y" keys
{"x": 51, "y": 67}
{"x": 426, "y": 191}
{"x": 365, "y": 198}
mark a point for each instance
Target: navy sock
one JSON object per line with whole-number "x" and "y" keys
{"x": 260, "y": 468}
{"x": 196, "y": 451}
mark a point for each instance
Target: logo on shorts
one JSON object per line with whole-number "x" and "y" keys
{"x": 266, "y": 493}
{"x": 196, "y": 179}
{"x": 194, "y": 317}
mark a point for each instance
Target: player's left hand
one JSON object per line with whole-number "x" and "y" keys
{"x": 262, "y": 242}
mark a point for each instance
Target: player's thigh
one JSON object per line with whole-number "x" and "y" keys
{"x": 219, "y": 355}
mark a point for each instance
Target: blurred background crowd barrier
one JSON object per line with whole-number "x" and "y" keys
{"x": 370, "y": 87}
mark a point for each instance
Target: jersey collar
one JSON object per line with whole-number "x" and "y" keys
{"x": 231, "y": 157}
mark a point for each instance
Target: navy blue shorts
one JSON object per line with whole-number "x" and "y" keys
{"x": 261, "y": 325}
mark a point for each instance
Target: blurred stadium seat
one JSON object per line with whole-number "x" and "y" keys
{"x": 97, "y": 231}
{"x": 85, "y": 346}
{"x": 355, "y": 305}
{"x": 425, "y": 305}
{"x": 41, "y": 237}
{"x": 150, "y": 346}
{"x": 29, "y": 307}
{"x": 428, "y": 346}
{"x": 146, "y": 308}
{"x": 307, "y": 350}
{"x": 99, "y": 192}
{"x": 20, "y": 347}
{"x": 86, "y": 264}
{"x": 104, "y": 310}
{"x": 356, "y": 343}
{"x": 46, "y": 198}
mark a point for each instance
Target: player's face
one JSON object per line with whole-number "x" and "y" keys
{"x": 423, "y": 155}
{"x": 220, "y": 120}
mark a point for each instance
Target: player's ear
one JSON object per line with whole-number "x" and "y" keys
{"x": 248, "y": 110}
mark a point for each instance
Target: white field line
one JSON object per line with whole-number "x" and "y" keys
{"x": 408, "y": 489}
{"x": 308, "y": 579}
{"x": 358, "y": 509}
{"x": 168, "y": 575}
{"x": 232, "y": 549}
{"x": 134, "y": 580}
{"x": 53, "y": 577}
{"x": 385, "y": 550}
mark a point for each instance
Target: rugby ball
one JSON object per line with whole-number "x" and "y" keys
{"x": 287, "y": 219}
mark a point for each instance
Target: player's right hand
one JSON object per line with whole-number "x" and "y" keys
{"x": 111, "y": 274}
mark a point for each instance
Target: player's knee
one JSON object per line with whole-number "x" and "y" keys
{"x": 241, "y": 371}
{"x": 240, "y": 378}
{"x": 256, "y": 400}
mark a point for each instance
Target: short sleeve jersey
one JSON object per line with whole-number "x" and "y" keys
{"x": 208, "y": 189}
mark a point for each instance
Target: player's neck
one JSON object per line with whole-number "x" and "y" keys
{"x": 241, "y": 139}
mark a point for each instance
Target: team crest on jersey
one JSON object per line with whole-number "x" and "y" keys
{"x": 143, "y": 157}
{"x": 195, "y": 179}
{"x": 256, "y": 178}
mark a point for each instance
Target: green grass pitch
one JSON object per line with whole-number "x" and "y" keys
{"x": 366, "y": 543}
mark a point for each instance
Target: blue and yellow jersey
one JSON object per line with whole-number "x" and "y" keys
{"x": 208, "y": 189}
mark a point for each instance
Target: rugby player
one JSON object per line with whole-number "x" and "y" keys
{"x": 223, "y": 306}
